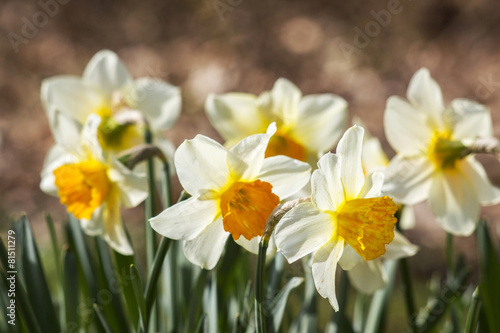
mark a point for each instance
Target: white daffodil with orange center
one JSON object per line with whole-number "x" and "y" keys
{"x": 124, "y": 104}
{"x": 346, "y": 215}
{"x": 233, "y": 193}
{"x": 308, "y": 126}
{"x": 92, "y": 187}
{"x": 429, "y": 140}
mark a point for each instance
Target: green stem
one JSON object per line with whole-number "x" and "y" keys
{"x": 475, "y": 305}
{"x": 408, "y": 292}
{"x": 260, "y": 323}
{"x": 150, "y": 206}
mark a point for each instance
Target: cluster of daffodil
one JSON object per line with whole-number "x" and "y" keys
{"x": 344, "y": 213}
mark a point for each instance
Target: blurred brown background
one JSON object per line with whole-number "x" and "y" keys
{"x": 363, "y": 51}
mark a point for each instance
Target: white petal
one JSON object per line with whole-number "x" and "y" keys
{"x": 201, "y": 164}
{"x": 246, "y": 158}
{"x": 373, "y": 186}
{"x": 115, "y": 233}
{"x": 408, "y": 180}
{"x": 469, "y": 119}
{"x": 350, "y": 258}
{"x": 406, "y": 128}
{"x": 474, "y": 172}
{"x": 368, "y": 276}
{"x": 206, "y": 249}
{"x": 303, "y": 230}
{"x": 234, "y": 115}
{"x": 56, "y": 156}
{"x": 159, "y": 101}
{"x": 106, "y": 72}
{"x": 351, "y": 170}
{"x": 132, "y": 186}
{"x": 324, "y": 265}
{"x": 287, "y": 175}
{"x": 454, "y": 202}
{"x": 285, "y": 98}
{"x": 326, "y": 186}
{"x": 186, "y": 219}
{"x": 320, "y": 122}
{"x": 425, "y": 93}
{"x": 400, "y": 247}
{"x": 71, "y": 96}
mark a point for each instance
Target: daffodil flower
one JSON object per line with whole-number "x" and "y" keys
{"x": 233, "y": 193}
{"x": 429, "y": 140}
{"x": 308, "y": 126}
{"x": 347, "y": 215}
{"x": 107, "y": 89}
{"x": 93, "y": 187}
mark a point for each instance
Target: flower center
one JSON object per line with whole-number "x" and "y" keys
{"x": 245, "y": 208}
{"x": 82, "y": 187}
{"x": 117, "y": 136}
{"x": 367, "y": 225}
{"x": 283, "y": 144}
{"x": 443, "y": 151}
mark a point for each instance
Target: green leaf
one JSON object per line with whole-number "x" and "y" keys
{"x": 489, "y": 288}
{"x": 22, "y": 302}
{"x": 122, "y": 264}
{"x": 155, "y": 274}
{"x": 82, "y": 254}
{"x": 112, "y": 308}
{"x": 71, "y": 290}
{"x": 278, "y": 304}
{"x": 139, "y": 296}
{"x": 36, "y": 284}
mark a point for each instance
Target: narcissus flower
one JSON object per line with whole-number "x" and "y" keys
{"x": 429, "y": 140}
{"x": 308, "y": 126}
{"x": 107, "y": 89}
{"x": 345, "y": 212}
{"x": 233, "y": 193}
{"x": 93, "y": 187}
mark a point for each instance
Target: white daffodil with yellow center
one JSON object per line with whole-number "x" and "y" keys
{"x": 92, "y": 187}
{"x": 233, "y": 193}
{"x": 107, "y": 89}
{"x": 308, "y": 126}
{"x": 429, "y": 140}
{"x": 346, "y": 221}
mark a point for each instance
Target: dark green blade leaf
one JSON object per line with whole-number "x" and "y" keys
{"x": 489, "y": 288}
{"x": 139, "y": 296}
{"x": 110, "y": 291}
{"x": 71, "y": 290}
{"x": 36, "y": 284}
{"x": 123, "y": 264}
